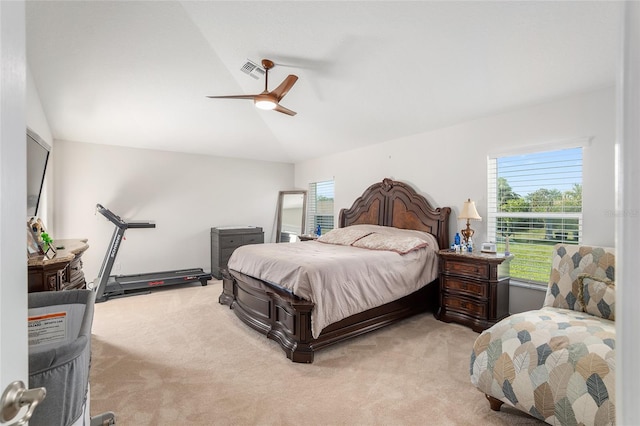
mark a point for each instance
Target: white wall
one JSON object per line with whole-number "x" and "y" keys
{"x": 36, "y": 120}
{"x": 184, "y": 194}
{"x": 449, "y": 165}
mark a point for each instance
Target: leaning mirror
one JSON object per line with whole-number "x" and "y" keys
{"x": 291, "y": 211}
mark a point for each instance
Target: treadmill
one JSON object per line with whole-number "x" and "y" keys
{"x": 108, "y": 286}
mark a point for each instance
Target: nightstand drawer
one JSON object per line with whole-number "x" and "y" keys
{"x": 470, "y": 269}
{"x": 465, "y": 306}
{"x": 462, "y": 286}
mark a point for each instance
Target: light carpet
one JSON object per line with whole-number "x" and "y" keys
{"x": 178, "y": 357}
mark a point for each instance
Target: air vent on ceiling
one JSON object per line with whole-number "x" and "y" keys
{"x": 253, "y": 69}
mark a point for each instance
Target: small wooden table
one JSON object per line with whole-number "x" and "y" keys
{"x": 474, "y": 288}
{"x": 62, "y": 272}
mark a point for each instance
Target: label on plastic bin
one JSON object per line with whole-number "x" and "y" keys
{"x": 48, "y": 328}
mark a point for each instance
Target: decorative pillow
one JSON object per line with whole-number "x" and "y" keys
{"x": 597, "y": 296}
{"x": 401, "y": 245}
{"x": 343, "y": 236}
{"x": 568, "y": 262}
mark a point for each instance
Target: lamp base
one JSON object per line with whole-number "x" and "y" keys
{"x": 467, "y": 233}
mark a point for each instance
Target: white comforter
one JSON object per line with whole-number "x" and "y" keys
{"x": 341, "y": 280}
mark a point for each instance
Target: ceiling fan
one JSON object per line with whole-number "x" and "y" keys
{"x": 268, "y": 99}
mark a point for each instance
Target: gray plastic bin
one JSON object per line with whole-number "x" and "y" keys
{"x": 60, "y": 355}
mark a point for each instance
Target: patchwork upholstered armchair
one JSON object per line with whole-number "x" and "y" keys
{"x": 557, "y": 363}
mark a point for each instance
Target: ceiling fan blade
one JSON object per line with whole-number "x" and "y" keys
{"x": 284, "y": 110}
{"x": 284, "y": 87}
{"x": 233, "y": 97}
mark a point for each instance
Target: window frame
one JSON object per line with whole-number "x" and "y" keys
{"x": 493, "y": 215}
{"x": 327, "y": 220}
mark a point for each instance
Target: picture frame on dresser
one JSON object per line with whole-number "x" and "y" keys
{"x": 33, "y": 248}
{"x": 36, "y": 244}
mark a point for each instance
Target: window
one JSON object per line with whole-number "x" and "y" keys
{"x": 536, "y": 201}
{"x": 320, "y": 206}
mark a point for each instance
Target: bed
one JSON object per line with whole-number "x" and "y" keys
{"x": 286, "y": 318}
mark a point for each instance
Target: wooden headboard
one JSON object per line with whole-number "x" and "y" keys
{"x": 393, "y": 203}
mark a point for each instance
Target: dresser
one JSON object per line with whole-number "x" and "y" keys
{"x": 224, "y": 240}
{"x": 62, "y": 272}
{"x": 474, "y": 288}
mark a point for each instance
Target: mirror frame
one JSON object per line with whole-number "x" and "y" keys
{"x": 279, "y": 211}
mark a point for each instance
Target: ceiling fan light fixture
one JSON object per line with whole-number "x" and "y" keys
{"x": 264, "y": 102}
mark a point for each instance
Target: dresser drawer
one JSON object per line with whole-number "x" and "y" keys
{"x": 470, "y": 269}
{"x": 225, "y": 255}
{"x": 465, "y": 287}
{"x": 230, "y": 241}
{"x": 465, "y": 306}
{"x": 253, "y": 239}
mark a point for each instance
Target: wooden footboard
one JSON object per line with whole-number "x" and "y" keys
{"x": 286, "y": 318}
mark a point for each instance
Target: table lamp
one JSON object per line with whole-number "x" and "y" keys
{"x": 468, "y": 212}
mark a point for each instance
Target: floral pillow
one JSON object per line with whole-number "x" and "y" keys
{"x": 597, "y": 296}
{"x": 401, "y": 245}
{"x": 343, "y": 236}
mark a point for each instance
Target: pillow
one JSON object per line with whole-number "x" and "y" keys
{"x": 389, "y": 230}
{"x": 401, "y": 245}
{"x": 597, "y": 296}
{"x": 343, "y": 236}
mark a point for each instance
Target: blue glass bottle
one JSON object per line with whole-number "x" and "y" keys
{"x": 318, "y": 231}
{"x": 456, "y": 239}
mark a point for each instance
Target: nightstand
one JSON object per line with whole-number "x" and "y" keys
{"x": 474, "y": 288}
{"x": 307, "y": 237}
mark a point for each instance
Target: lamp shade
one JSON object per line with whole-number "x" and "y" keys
{"x": 469, "y": 211}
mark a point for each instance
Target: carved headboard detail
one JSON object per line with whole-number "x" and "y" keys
{"x": 393, "y": 203}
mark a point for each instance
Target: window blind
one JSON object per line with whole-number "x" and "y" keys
{"x": 535, "y": 200}
{"x": 320, "y": 206}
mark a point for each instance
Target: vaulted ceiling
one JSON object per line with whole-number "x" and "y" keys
{"x": 137, "y": 73}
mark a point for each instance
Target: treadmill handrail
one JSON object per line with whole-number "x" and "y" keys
{"x": 117, "y": 220}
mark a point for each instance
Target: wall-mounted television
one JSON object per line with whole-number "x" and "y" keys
{"x": 37, "y": 159}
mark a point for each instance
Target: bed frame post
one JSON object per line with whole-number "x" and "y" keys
{"x": 226, "y": 297}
